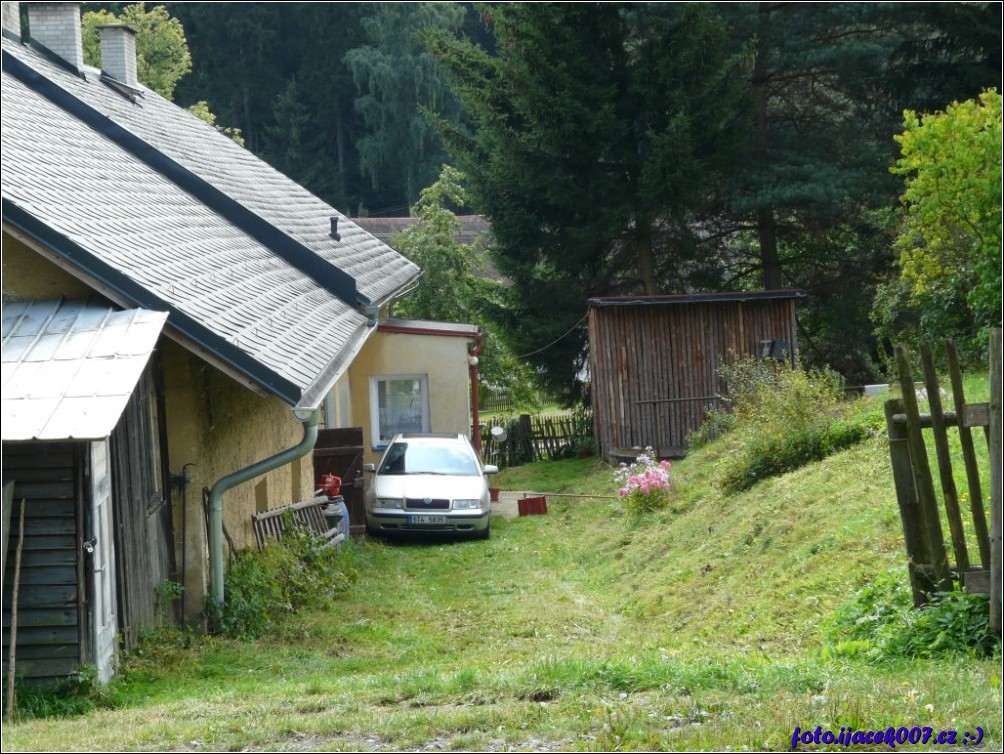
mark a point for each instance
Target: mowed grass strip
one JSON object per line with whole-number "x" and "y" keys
{"x": 699, "y": 627}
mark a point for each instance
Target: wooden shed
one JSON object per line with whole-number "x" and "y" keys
{"x": 654, "y": 360}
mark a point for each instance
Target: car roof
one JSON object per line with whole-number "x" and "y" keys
{"x": 431, "y": 437}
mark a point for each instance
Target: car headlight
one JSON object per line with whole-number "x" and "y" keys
{"x": 389, "y": 502}
{"x": 466, "y": 505}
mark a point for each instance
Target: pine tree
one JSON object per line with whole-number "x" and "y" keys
{"x": 601, "y": 129}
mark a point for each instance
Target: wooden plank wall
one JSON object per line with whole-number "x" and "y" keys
{"x": 654, "y": 367}
{"x": 144, "y": 543}
{"x": 48, "y": 637}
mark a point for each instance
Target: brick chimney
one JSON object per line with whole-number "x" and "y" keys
{"x": 118, "y": 53}
{"x": 12, "y": 19}
{"x": 56, "y": 26}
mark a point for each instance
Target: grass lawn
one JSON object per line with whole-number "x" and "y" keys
{"x": 698, "y": 627}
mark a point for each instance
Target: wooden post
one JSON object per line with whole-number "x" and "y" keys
{"x": 918, "y": 550}
{"x": 969, "y": 457}
{"x": 930, "y": 519}
{"x": 994, "y": 436}
{"x": 944, "y": 455}
{"x": 528, "y": 447}
{"x": 16, "y": 588}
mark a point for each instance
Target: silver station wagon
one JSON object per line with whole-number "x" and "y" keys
{"x": 429, "y": 483}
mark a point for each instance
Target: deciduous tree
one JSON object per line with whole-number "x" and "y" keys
{"x": 162, "y": 55}
{"x": 950, "y": 241}
{"x": 449, "y": 291}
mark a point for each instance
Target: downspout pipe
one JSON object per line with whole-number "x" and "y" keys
{"x": 475, "y": 410}
{"x": 238, "y": 477}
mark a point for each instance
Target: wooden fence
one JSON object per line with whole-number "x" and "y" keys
{"x": 535, "y": 438}
{"x": 930, "y": 571}
{"x": 500, "y": 402}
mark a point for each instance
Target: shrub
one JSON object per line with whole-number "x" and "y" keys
{"x": 775, "y": 454}
{"x": 644, "y": 485}
{"x": 294, "y": 573}
{"x": 77, "y": 694}
{"x": 782, "y": 419}
{"x": 717, "y": 422}
{"x": 880, "y": 623}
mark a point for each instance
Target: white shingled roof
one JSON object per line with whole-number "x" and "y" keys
{"x": 69, "y": 367}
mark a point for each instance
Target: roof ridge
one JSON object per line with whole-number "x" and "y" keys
{"x": 325, "y": 273}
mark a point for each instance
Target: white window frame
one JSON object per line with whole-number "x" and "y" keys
{"x": 376, "y": 442}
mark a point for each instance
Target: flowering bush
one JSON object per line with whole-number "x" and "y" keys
{"x": 644, "y": 485}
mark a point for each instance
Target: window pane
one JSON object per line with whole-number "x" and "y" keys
{"x": 401, "y": 407}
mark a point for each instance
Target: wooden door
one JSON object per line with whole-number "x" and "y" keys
{"x": 142, "y": 524}
{"x": 340, "y": 452}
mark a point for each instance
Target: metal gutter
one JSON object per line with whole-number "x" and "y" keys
{"x": 216, "y": 561}
{"x": 324, "y": 383}
{"x": 407, "y": 329}
{"x": 472, "y": 361}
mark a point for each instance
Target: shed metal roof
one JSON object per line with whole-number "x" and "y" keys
{"x": 69, "y": 367}
{"x": 697, "y": 298}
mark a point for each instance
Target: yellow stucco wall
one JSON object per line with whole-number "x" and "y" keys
{"x": 212, "y": 422}
{"x": 220, "y": 426}
{"x": 442, "y": 358}
{"x": 27, "y": 275}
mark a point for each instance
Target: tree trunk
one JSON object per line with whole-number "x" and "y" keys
{"x": 343, "y": 191}
{"x": 770, "y": 264}
{"x": 766, "y": 224}
{"x": 646, "y": 258}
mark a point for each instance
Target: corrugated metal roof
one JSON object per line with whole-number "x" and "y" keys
{"x": 697, "y": 298}
{"x": 69, "y": 367}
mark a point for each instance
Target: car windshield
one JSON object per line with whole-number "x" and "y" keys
{"x": 420, "y": 458}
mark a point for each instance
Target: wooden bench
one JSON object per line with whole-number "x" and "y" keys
{"x": 306, "y": 513}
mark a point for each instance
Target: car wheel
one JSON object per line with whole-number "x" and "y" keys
{"x": 486, "y": 534}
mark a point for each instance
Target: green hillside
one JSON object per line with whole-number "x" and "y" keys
{"x": 704, "y": 626}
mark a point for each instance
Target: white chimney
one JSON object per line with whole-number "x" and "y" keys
{"x": 56, "y": 26}
{"x": 118, "y": 53}
{"x": 12, "y": 18}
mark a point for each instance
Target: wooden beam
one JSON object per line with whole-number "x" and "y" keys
{"x": 969, "y": 457}
{"x": 994, "y": 436}
{"x": 976, "y": 415}
{"x": 918, "y": 550}
{"x": 930, "y": 520}
{"x": 949, "y": 491}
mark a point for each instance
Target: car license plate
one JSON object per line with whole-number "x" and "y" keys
{"x": 427, "y": 519}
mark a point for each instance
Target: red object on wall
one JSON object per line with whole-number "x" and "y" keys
{"x": 533, "y": 506}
